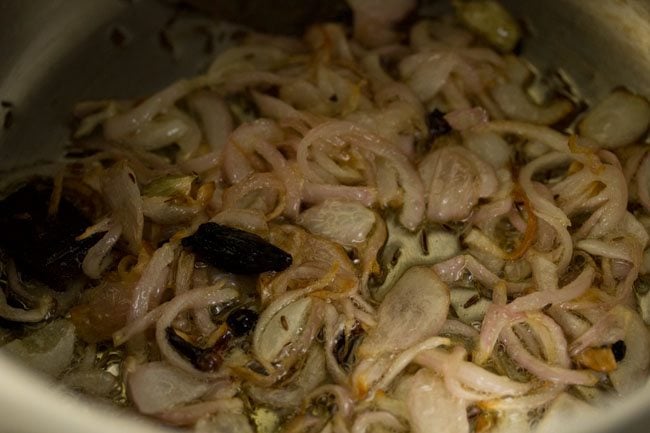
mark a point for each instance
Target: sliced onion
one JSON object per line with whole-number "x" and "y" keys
{"x": 94, "y": 382}
{"x": 158, "y": 386}
{"x": 619, "y": 119}
{"x": 414, "y": 309}
{"x": 278, "y": 109}
{"x": 245, "y": 219}
{"x": 413, "y": 203}
{"x": 151, "y": 285}
{"x": 432, "y": 409}
{"x": 427, "y": 72}
{"x": 49, "y": 350}
{"x": 541, "y": 396}
{"x": 344, "y": 222}
{"x": 282, "y": 328}
{"x": 365, "y": 420}
{"x": 546, "y": 371}
{"x": 516, "y": 104}
{"x": 396, "y": 364}
{"x": 224, "y": 423}
{"x": 124, "y": 124}
{"x": 565, "y": 406}
{"x": 98, "y": 258}
{"x": 474, "y": 379}
{"x": 538, "y": 300}
{"x": 318, "y": 192}
{"x": 163, "y": 210}
{"x": 120, "y": 190}
{"x": 190, "y": 414}
{"x": 166, "y": 129}
{"x": 455, "y": 179}
{"x": 466, "y": 118}
{"x": 542, "y": 135}
{"x": 215, "y": 118}
{"x": 306, "y": 380}
{"x": 490, "y": 147}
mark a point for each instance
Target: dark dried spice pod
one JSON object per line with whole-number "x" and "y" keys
{"x": 235, "y": 250}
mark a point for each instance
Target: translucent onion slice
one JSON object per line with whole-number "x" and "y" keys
{"x": 49, "y": 349}
{"x": 414, "y": 309}
{"x": 432, "y": 409}
{"x": 158, "y": 386}
{"x": 619, "y": 119}
{"x": 163, "y": 210}
{"x": 121, "y": 192}
{"x": 306, "y": 380}
{"x": 563, "y": 407}
{"x": 283, "y": 328}
{"x": 455, "y": 180}
{"x": 224, "y": 422}
{"x": 343, "y": 222}
{"x": 490, "y": 147}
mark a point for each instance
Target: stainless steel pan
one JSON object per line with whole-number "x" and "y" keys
{"x": 56, "y": 52}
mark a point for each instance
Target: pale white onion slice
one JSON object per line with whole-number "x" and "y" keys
{"x": 414, "y": 309}
{"x": 94, "y": 382}
{"x": 119, "y": 126}
{"x": 490, "y": 147}
{"x": 563, "y": 407}
{"x": 516, "y": 104}
{"x": 216, "y": 120}
{"x": 98, "y": 258}
{"x": 467, "y": 118}
{"x": 387, "y": 420}
{"x": 455, "y": 179}
{"x": 48, "y": 350}
{"x": 158, "y": 386}
{"x": 619, "y": 119}
{"x": 120, "y": 189}
{"x": 475, "y": 382}
{"x": 190, "y": 414}
{"x": 163, "y": 210}
{"x": 312, "y": 374}
{"x": 151, "y": 285}
{"x": 224, "y": 422}
{"x": 432, "y": 409}
{"x": 343, "y": 222}
{"x": 282, "y": 328}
